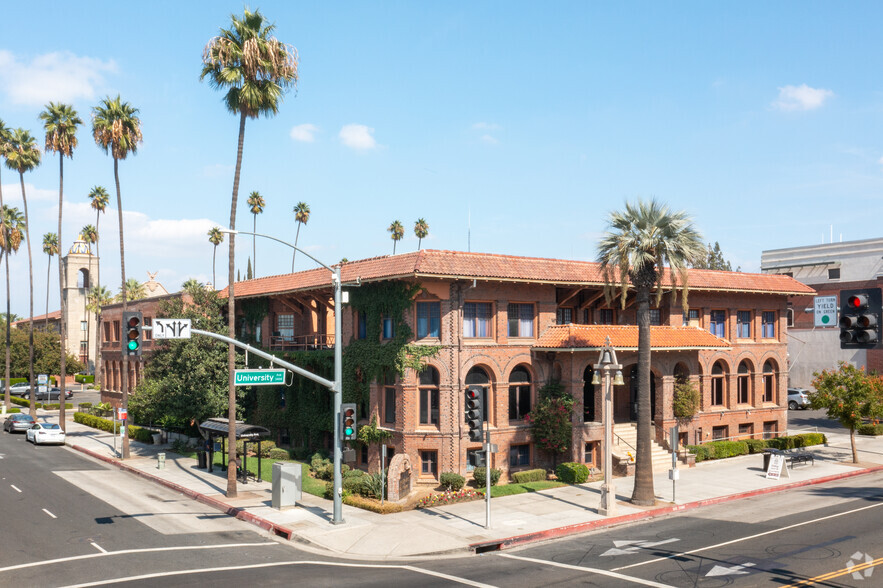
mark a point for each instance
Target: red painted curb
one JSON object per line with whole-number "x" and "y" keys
{"x": 233, "y": 511}
{"x": 517, "y": 540}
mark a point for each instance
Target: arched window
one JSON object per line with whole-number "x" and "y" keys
{"x": 519, "y": 393}
{"x": 718, "y": 377}
{"x": 588, "y": 395}
{"x": 744, "y": 382}
{"x": 428, "y": 391}
{"x": 478, "y": 377}
{"x": 681, "y": 373}
{"x": 769, "y": 381}
{"x": 83, "y": 278}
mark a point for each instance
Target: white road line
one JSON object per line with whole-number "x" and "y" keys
{"x": 290, "y": 563}
{"x": 98, "y": 547}
{"x": 14, "y": 488}
{"x": 598, "y": 571}
{"x": 683, "y": 553}
{"x": 127, "y": 552}
{"x": 50, "y": 514}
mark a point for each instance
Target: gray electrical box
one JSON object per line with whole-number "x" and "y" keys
{"x": 287, "y": 484}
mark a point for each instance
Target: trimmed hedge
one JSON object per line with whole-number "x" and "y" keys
{"x": 372, "y": 505}
{"x": 572, "y": 472}
{"x": 724, "y": 449}
{"x": 81, "y": 379}
{"x": 870, "y": 430}
{"x": 529, "y": 476}
{"x": 277, "y": 454}
{"x": 452, "y": 481}
{"x": 133, "y": 431}
{"x": 480, "y": 476}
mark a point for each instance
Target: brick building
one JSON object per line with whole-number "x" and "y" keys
{"x": 512, "y": 324}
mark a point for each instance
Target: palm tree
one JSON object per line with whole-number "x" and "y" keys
{"x": 98, "y": 296}
{"x": 638, "y": 244}
{"x": 98, "y": 201}
{"x": 5, "y": 142}
{"x": 50, "y": 248}
{"x": 255, "y": 69}
{"x": 421, "y": 230}
{"x": 90, "y": 235}
{"x": 256, "y": 203}
{"x": 301, "y": 216}
{"x": 215, "y": 237}
{"x": 134, "y": 290}
{"x": 191, "y": 286}
{"x": 24, "y": 156}
{"x": 117, "y": 130}
{"x": 60, "y": 121}
{"x": 396, "y": 233}
{"x": 12, "y": 224}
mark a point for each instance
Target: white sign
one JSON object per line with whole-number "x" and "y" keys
{"x": 42, "y": 379}
{"x": 171, "y": 328}
{"x": 825, "y": 311}
{"x": 777, "y": 464}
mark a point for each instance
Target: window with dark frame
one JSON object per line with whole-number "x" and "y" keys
{"x": 364, "y": 455}
{"x": 388, "y": 330}
{"x": 718, "y": 326}
{"x": 834, "y": 273}
{"x": 519, "y": 393}
{"x": 743, "y": 381}
{"x": 691, "y": 315}
{"x": 362, "y": 320}
{"x": 477, "y": 318}
{"x": 521, "y": 320}
{"x": 769, "y": 382}
{"x": 743, "y": 324}
{"x": 770, "y": 429}
{"x": 285, "y": 326}
{"x": 656, "y": 317}
{"x": 428, "y": 320}
{"x": 717, "y": 384}
{"x": 389, "y": 399}
{"x": 746, "y": 430}
{"x": 428, "y": 391}
{"x": 429, "y": 463}
{"x": 519, "y": 455}
{"x": 590, "y": 452}
{"x": 604, "y": 316}
{"x": 719, "y": 433}
{"x": 768, "y": 324}
{"x": 564, "y": 316}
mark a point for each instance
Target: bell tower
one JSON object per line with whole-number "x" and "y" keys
{"x": 77, "y": 267}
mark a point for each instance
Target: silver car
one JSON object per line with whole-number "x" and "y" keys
{"x": 18, "y": 389}
{"x": 798, "y": 398}
{"x": 18, "y": 422}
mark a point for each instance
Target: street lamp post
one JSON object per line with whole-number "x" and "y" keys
{"x": 337, "y": 384}
{"x": 607, "y": 363}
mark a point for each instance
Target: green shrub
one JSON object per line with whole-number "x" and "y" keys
{"x": 374, "y": 484}
{"x": 133, "y": 431}
{"x": 353, "y": 481}
{"x": 85, "y": 405}
{"x": 82, "y": 379}
{"x": 529, "y": 476}
{"x": 278, "y": 454}
{"x": 266, "y": 447}
{"x": 725, "y": 449}
{"x": 329, "y": 492}
{"x": 452, "y": 481}
{"x": 810, "y": 439}
{"x": 317, "y": 462}
{"x": 756, "y": 445}
{"x": 870, "y": 430}
{"x": 701, "y": 452}
{"x": 572, "y": 472}
{"x": 480, "y": 476}
{"x": 686, "y": 400}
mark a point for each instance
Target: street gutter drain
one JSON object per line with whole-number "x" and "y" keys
{"x": 479, "y": 549}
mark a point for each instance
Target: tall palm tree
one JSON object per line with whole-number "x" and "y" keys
{"x": 90, "y": 236}
{"x": 255, "y": 69}
{"x": 60, "y": 121}
{"x": 133, "y": 290}
{"x": 639, "y": 242}
{"x": 256, "y": 204}
{"x": 98, "y": 296}
{"x": 215, "y": 237}
{"x": 12, "y": 223}
{"x": 191, "y": 286}
{"x": 421, "y": 230}
{"x": 396, "y": 233}
{"x": 23, "y": 156}
{"x": 5, "y": 142}
{"x": 116, "y": 128}
{"x": 99, "y": 199}
{"x": 50, "y": 248}
{"x": 301, "y": 217}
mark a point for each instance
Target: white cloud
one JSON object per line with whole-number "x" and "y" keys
{"x": 489, "y": 139}
{"x": 487, "y": 132}
{"x": 357, "y": 137}
{"x": 59, "y": 76}
{"x": 880, "y": 161}
{"x": 12, "y": 193}
{"x": 801, "y": 97}
{"x": 304, "y": 133}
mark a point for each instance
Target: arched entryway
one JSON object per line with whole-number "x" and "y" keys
{"x": 625, "y": 403}
{"x": 589, "y": 398}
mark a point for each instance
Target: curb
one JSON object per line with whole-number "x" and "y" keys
{"x": 519, "y": 540}
{"x": 233, "y": 511}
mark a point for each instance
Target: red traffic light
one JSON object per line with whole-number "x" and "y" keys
{"x": 857, "y": 301}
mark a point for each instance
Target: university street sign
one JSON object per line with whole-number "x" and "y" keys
{"x": 259, "y": 377}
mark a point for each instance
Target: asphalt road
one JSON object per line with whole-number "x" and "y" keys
{"x": 809, "y": 419}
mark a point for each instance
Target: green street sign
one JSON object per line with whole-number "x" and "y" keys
{"x": 259, "y": 377}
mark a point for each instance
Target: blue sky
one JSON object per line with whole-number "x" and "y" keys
{"x": 528, "y": 121}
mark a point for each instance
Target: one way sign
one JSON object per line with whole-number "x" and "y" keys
{"x": 171, "y": 328}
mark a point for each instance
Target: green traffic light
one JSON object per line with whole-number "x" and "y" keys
{"x": 348, "y": 431}
{"x": 133, "y": 345}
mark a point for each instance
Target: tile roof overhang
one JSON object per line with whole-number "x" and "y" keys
{"x": 574, "y": 337}
{"x": 52, "y": 316}
{"x": 459, "y": 265}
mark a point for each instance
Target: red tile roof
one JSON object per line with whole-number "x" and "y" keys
{"x": 53, "y": 316}
{"x": 428, "y": 263}
{"x": 573, "y": 337}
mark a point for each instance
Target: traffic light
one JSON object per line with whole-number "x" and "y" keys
{"x": 474, "y": 412}
{"x": 348, "y": 422}
{"x": 860, "y": 318}
{"x": 132, "y": 323}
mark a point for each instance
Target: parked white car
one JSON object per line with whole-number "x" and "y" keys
{"x": 45, "y": 433}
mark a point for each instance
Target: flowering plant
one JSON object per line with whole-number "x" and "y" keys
{"x": 464, "y": 495}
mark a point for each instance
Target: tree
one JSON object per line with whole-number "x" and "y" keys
{"x": 638, "y": 244}
{"x": 50, "y": 248}
{"x": 396, "y": 233}
{"x": 713, "y": 258}
{"x": 849, "y": 395}
{"x": 191, "y": 285}
{"x": 421, "y": 230}
{"x": 98, "y": 296}
{"x": 117, "y": 130}
{"x": 47, "y": 354}
{"x": 256, "y": 205}
{"x": 60, "y": 121}
{"x": 98, "y": 198}
{"x": 255, "y": 69}
{"x": 133, "y": 290}
{"x": 215, "y": 237}
{"x": 5, "y": 143}
{"x": 550, "y": 421}
{"x": 90, "y": 236}
{"x": 301, "y": 216}
{"x": 24, "y": 156}
{"x": 249, "y": 275}
{"x": 11, "y": 233}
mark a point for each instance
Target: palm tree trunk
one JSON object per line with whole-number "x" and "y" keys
{"x": 124, "y": 452}
{"x": 8, "y": 335}
{"x": 231, "y": 321}
{"x": 293, "y": 253}
{"x": 254, "y": 248}
{"x": 99, "y": 378}
{"x": 62, "y": 322}
{"x": 644, "y": 494}
{"x": 214, "y": 254}
{"x": 33, "y": 401}
{"x": 852, "y": 443}
{"x": 48, "y": 274}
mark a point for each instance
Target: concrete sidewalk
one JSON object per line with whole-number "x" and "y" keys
{"x": 459, "y": 528}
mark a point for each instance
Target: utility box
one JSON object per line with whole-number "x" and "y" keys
{"x": 287, "y": 484}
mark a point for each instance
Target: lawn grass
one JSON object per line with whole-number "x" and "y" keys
{"x": 512, "y": 489}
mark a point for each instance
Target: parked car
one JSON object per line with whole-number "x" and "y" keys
{"x": 798, "y": 398}
{"x": 44, "y": 433}
{"x": 18, "y": 422}
{"x": 53, "y": 394}
{"x": 19, "y": 389}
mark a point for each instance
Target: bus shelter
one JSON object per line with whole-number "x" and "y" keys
{"x": 219, "y": 428}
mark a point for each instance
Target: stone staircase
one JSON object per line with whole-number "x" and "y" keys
{"x": 625, "y": 440}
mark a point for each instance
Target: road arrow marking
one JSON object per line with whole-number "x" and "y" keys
{"x": 725, "y": 571}
{"x": 632, "y": 546}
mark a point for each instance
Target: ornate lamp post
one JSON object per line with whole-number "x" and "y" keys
{"x": 607, "y": 364}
